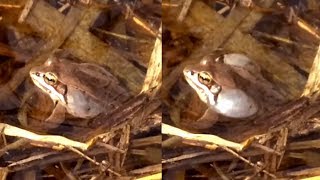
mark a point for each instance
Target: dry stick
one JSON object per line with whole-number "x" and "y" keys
{"x": 282, "y": 40}
{"x": 126, "y": 138}
{"x": 311, "y": 89}
{"x": 265, "y": 148}
{"x": 207, "y": 138}
{"x": 14, "y": 145}
{"x": 246, "y": 161}
{"x": 60, "y": 141}
{"x": 284, "y": 144}
{"x": 184, "y": 10}
{"x": 64, "y": 7}
{"x": 30, "y": 159}
{"x": 303, "y": 173}
{"x": 305, "y": 26}
{"x": 122, "y": 36}
{"x": 153, "y": 79}
{"x": 206, "y": 157}
{"x": 185, "y": 156}
{"x": 147, "y": 141}
{"x": 26, "y": 10}
{"x": 308, "y": 144}
{"x": 164, "y": 4}
{"x": 109, "y": 147}
{"x": 50, "y": 158}
{"x": 141, "y": 22}
{"x": 10, "y": 6}
{"x": 92, "y": 160}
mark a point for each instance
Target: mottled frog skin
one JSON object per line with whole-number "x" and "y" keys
{"x": 83, "y": 90}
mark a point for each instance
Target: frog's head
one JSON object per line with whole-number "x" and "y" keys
{"x": 209, "y": 78}
{"x": 45, "y": 77}
{"x": 203, "y": 83}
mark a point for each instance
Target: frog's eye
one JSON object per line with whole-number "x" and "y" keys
{"x": 50, "y": 78}
{"x": 204, "y": 78}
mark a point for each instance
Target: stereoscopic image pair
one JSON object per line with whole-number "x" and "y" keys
{"x": 151, "y": 89}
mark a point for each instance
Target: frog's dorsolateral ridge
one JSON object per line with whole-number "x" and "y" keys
{"x": 231, "y": 85}
{"x": 84, "y": 90}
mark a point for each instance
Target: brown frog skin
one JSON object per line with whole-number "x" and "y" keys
{"x": 232, "y": 86}
{"x": 83, "y": 90}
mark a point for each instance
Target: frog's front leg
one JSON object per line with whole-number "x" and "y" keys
{"x": 57, "y": 116}
{"x": 208, "y": 119}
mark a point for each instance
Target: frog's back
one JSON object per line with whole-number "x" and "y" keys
{"x": 95, "y": 82}
{"x": 102, "y": 86}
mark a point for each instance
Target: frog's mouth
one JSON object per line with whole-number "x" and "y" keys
{"x": 38, "y": 80}
{"x": 202, "y": 90}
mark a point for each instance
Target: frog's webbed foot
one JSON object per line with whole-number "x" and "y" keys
{"x": 56, "y": 118}
{"x": 208, "y": 119}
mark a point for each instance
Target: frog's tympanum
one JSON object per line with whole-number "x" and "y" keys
{"x": 232, "y": 86}
{"x": 83, "y": 90}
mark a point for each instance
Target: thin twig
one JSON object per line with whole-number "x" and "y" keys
{"x": 25, "y": 11}
{"x": 92, "y": 160}
{"x": 247, "y": 161}
{"x": 10, "y": 6}
{"x": 184, "y": 10}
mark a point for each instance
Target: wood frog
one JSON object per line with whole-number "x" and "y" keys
{"x": 83, "y": 90}
{"x": 232, "y": 86}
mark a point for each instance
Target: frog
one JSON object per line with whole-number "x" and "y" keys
{"x": 232, "y": 86}
{"x": 83, "y": 90}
